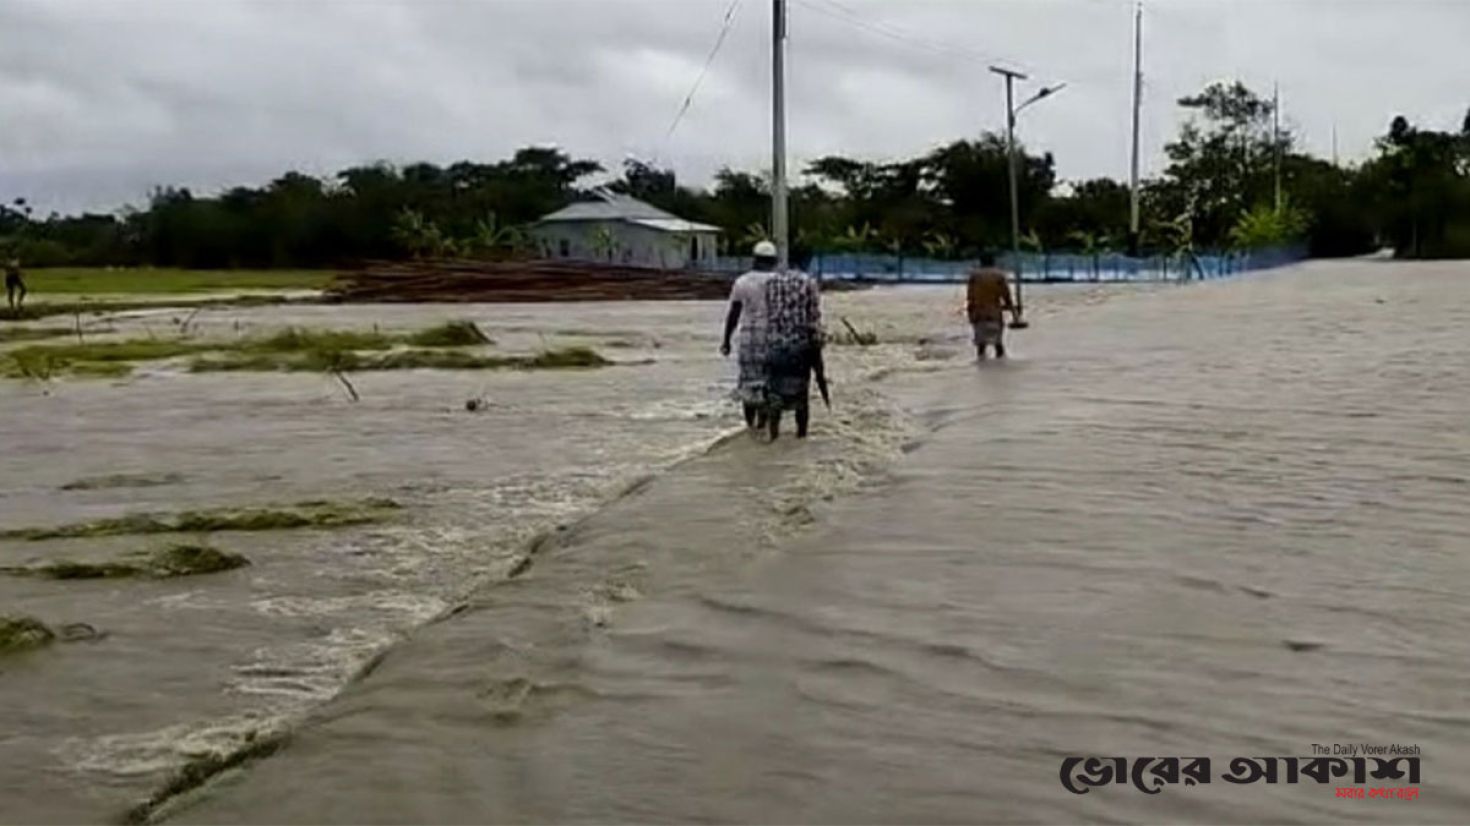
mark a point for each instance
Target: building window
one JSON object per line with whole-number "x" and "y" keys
{"x": 565, "y": 248}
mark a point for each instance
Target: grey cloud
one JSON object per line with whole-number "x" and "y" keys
{"x": 101, "y": 100}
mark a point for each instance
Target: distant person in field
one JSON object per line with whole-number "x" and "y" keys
{"x": 15, "y": 286}
{"x": 794, "y": 354}
{"x": 987, "y": 300}
{"x": 748, "y": 313}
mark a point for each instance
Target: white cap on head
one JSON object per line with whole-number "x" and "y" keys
{"x": 765, "y": 249}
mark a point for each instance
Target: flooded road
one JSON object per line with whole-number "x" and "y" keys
{"x": 194, "y": 668}
{"x": 1218, "y": 520}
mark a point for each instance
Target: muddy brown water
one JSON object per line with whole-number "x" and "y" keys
{"x": 1220, "y": 520}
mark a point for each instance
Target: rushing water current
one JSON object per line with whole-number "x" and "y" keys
{"x": 1220, "y": 520}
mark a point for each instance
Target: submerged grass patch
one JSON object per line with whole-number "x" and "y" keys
{"x": 296, "y": 348}
{"x": 115, "y": 358}
{"x": 27, "y": 363}
{"x": 567, "y": 357}
{"x": 320, "y": 361}
{"x": 564, "y": 358}
{"x": 431, "y": 360}
{"x": 190, "y": 560}
{"x": 124, "y": 480}
{"x": 65, "y": 569}
{"x": 450, "y": 334}
{"x": 109, "y": 358}
{"x": 300, "y": 340}
{"x": 443, "y": 347}
{"x": 9, "y": 335}
{"x": 19, "y": 633}
{"x": 271, "y": 518}
{"x": 100, "y": 369}
{"x": 164, "y": 563}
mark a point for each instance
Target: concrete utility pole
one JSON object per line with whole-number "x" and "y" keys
{"x": 1133, "y": 234}
{"x": 780, "y": 228}
{"x": 1276, "y": 138}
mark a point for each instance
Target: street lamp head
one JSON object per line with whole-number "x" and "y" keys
{"x": 1045, "y": 92}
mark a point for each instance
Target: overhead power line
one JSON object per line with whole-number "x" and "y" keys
{"x": 841, "y": 12}
{"x": 846, "y": 14}
{"x": 709, "y": 61}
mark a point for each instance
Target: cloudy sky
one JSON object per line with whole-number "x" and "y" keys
{"x": 100, "y": 100}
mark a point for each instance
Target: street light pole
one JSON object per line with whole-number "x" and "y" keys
{"x": 1276, "y": 139}
{"x": 1133, "y": 206}
{"x": 1010, "y": 77}
{"x": 1011, "y": 111}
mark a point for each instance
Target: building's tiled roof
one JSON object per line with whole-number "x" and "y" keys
{"x": 611, "y": 206}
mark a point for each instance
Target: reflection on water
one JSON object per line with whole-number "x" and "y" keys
{"x": 1218, "y": 520}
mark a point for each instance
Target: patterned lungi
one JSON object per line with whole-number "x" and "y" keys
{"x": 789, "y": 377}
{"x": 989, "y": 331}
{"x": 750, "y": 388}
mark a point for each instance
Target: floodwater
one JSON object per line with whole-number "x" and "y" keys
{"x": 1218, "y": 520}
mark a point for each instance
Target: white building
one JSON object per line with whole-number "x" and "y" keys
{"x": 617, "y": 229}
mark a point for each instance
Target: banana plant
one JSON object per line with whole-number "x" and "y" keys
{"x": 604, "y": 243}
{"x": 1179, "y": 234}
{"x": 1087, "y": 244}
{"x": 417, "y": 235}
{"x": 1031, "y": 242}
{"x": 940, "y": 245}
{"x": 856, "y": 239}
{"x": 490, "y": 236}
{"x": 754, "y": 234}
{"x": 1267, "y": 225}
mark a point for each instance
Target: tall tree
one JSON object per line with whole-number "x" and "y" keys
{"x": 1221, "y": 163}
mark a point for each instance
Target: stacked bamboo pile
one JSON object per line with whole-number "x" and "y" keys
{"x": 521, "y": 281}
{"x": 528, "y": 281}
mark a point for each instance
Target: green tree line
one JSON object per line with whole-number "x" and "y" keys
{"x": 1217, "y": 191}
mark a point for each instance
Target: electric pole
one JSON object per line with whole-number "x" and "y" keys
{"x": 779, "y": 220}
{"x": 1276, "y": 138}
{"x": 1133, "y": 234}
{"x": 1010, "y": 77}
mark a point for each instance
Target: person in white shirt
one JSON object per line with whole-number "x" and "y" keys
{"x": 748, "y": 312}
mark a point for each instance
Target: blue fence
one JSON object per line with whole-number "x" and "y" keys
{"x": 1044, "y": 267}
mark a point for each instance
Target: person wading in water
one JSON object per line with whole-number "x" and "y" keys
{"x": 987, "y": 300}
{"x": 15, "y": 286}
{"x": 794, "y": 353}
{"x": 748, "y": 312}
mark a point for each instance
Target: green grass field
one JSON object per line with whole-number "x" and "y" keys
{"x": 78, "y": 281}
